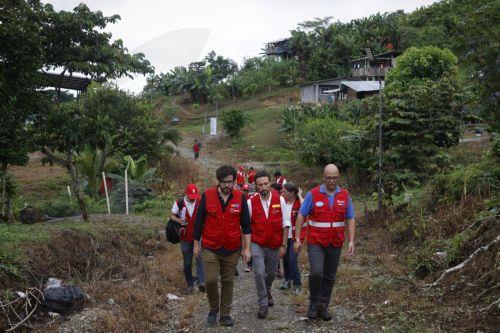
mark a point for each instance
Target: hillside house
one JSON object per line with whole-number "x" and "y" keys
{"x": 373, "y": 67}
{"x": 279, "y": 48}
{"x": 320, "y": 91}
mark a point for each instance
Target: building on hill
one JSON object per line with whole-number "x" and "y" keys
{"x": 279, "y": 48}
{"x": 337, "y": 90}
{"x": 373, "y": 67}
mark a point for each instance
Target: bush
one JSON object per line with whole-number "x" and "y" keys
{"x": 323, "y": 141}
{"x": 233, "y": 121}
{"x": 60, "y": 207}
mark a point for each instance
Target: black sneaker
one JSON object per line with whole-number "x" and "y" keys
{"x": 324, "y": 314}
{"x": 263, "y": 311}
{"x": 236, "y": 273}
{"x": 286, "y": 285}
{"x": 312, "y": 313}
{"x": 212, "y": 318}
{"x": 226, "y": 321}
{"x": 189, "y": 289}
{"x": 201, "y": 287}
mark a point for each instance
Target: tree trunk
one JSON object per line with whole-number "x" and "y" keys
{"x": 70, "y": 165}
{"x": 10, "y": 210}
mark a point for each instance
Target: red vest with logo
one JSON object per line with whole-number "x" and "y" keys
{"x": 251, "y": 176}
{"x": 187, "y": 231}
{"x": 294, "y": 213}
{"x": 267, "y": 231}
{"x": 222, "y": 228}
{"x": 327, "y": 225}
{"x": 240, "y": 177}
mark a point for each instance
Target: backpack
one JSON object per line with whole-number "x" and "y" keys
{"x": 173, "y": 230}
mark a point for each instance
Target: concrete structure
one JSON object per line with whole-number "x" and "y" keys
{"x": 373, "y": 67}
{"x": 320, "y": 91}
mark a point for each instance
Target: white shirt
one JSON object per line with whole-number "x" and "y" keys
{"x": 189, "y": 205}
{"x": 265, "y": 204}
{"x": 287, "y": 209}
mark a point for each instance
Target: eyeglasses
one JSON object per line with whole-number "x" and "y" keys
{"x": 226, "y": 182}
{"x": 331, "y": 178}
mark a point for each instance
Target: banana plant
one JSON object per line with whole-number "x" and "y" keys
{"x": 91, "y": 163}
{"x": 138, "y": 170}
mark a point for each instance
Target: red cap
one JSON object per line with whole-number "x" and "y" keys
{"x": 192, "y": 192}
{"x": 245, "y": 187}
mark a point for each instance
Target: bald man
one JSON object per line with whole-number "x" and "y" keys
{"x": 329, "y": 207}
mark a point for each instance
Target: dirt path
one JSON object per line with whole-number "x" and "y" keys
{"x": 284, "y": 316}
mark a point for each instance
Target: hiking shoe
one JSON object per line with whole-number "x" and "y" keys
{"x": 248, "y": 269}
{"x": 212, "y": 318}
{"x": 236, "y": 273}
{"x": 189, "y": 289}
{"x": 226, "y": 321}
{"x": 286, "y": 285}
{"x": 201, "y": 287}
{"x": 312, "y": 313}
{"x": 263, "y": 311}
{"x": 324, "y": 314}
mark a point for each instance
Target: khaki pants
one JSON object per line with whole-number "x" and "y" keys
{"x": 224, "y": 266}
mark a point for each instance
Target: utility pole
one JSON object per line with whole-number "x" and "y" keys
{"x": 380, "y": 145}
{"x": 206, "y": 150}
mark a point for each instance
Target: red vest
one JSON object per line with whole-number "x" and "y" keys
{"x": 294, "y": 213}
{"x": 240, "y": 177}
{"x": 267, "y": 231}
{"x": 327, "y": 225}
{"x": 187, "y": 231}
{"x": 222, "y": 228}
{"x": 251, "y": 176}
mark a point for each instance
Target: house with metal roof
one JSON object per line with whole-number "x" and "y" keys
{"x": 279, "y": 48}
{"x": 373, "y": 67}
{"x": 338, "y": 89}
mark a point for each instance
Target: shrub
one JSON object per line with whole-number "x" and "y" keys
{"x": 233, "y": 121}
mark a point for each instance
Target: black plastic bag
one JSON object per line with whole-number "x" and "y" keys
{"x": 62, "y": 299}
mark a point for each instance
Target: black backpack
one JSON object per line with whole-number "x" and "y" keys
{"x": 173, "y": 229}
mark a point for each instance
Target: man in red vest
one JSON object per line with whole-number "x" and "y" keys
{"x": 222, "y": 217}
{"x": 329, "y": 207}
{"x": 240, "y": 176}
{"x": 279, "y": 179}
{"x": 270, "y": 224}
{"x": 251, "y": 175}
{"x": 184, "y": 212}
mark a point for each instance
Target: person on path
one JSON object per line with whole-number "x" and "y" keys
{"x": 222, "y": 218}
{"x": 270, "y": 224}
{"x": 240, "y": 176}
{"x": 196, "y": 149}
{"x": 279, "y": 179}
{"x": 184, "y": 212}
{"x": 328, "y": 207}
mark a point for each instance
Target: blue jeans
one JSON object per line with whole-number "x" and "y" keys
{"x": 187, "y": 256}
{"x": 291, "y": 265}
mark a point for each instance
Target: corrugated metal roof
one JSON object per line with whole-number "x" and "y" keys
{"x": 360, "y": 86}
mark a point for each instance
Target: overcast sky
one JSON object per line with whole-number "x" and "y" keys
{"x": 174, "y": 32}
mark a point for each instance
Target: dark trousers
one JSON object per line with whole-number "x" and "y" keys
{"x": 291, "y": 265}
{"x": 323, "y": 262}
{"x": 187, "y": 256}
{"x": 222, "y": 266}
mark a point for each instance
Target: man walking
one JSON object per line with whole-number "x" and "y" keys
{"x": 196, "y": 149}
{"x": 184, "y": 212}
{"x": 279, "y": 179}
{"x": 270, "y": 226}
{"x": 222, "y": 217}
{"x": 328, "y": 207}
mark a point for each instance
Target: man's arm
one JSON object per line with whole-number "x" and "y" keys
{"x": 351, "y": 226}
{"x": 246, "y": 229}
{"x": 200, "y": 218}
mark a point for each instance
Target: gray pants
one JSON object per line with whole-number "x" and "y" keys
{"x": 323, "y": 262}
{"x": 265, "y": 266}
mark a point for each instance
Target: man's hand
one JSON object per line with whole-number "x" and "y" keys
{"x": 350, "y": 251}
{"x": 246, "y": 255}
{"x": 196, "y": 248}
{"x": 282, "y": 251}
{"x": 296, "y": 246}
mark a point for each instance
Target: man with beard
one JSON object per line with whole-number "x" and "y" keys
{"x": 270, "y": 225}
{"x": 222, "y": 217}
{"x": 329, "y": 207}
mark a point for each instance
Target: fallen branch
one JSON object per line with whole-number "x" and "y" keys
{"x": 462, "y": 265}
{"x": 487, "y": 308}
{"x": 480, "y": 221}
